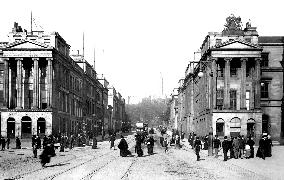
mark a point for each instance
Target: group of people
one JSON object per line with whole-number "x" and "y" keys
{"x": 6, "y": 143}
{"x": 238, "y": 147}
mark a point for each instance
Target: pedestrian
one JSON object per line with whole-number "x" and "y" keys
{"x": 123, "y": 146}
{"x": 18, "y": 143}
{"x": 8, "y": 142}
{"x": 62, "y": 144}
{"x": 197, "y": 147}
{"x": 216, "y": 145}
{"x": 242, "y": 146}
{"x": 226, "y": 147}
{"x": 205, "y": 142}
{"x": 231, "y": 148}
{"x": 38, "y": 142}
{"x": 47, "y": 153}
{"x": 111, "y": 140}
{"x": 166, "y": 143}
{"x": 251, "y": 143}
{"x": 236, "y": 147}
{"x": 71, "y": 142}
{"x": 192, "y": 140}
{"x": 3, "y": 143}
{"x": 44, "y": 141}
{"x": 150, "y": 145}
{"x": 34, "y": 145}
{"x": 268, "y": 146}
{"x": 261, "y": 148}
{"x": 138, "y": 146}
{"x": 177, "y": 141}
{"x": 189, "y": 138}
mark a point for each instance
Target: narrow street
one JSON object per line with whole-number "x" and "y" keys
{"x": 103, "y": 163}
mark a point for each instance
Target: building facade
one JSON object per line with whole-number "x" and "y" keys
{"x": 236, "y": 87}
{"x": 45, "y": 90}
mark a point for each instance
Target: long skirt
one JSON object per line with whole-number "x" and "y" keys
{"x": 139, "y": 151}
{"x": 124, "y": 152}
{"x": 150, "y": 149}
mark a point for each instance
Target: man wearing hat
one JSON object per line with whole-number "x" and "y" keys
{"x": 226, "y": 147}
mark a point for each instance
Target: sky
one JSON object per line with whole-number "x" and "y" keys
{"x": 139, "y": 44}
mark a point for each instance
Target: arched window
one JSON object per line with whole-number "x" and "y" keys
{"x": 220, "y": 127}
{"x": 235, "y": 127}
{"x": 250, "y": 127}
{"x": 11, "y": 127}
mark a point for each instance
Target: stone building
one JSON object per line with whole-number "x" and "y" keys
{"x": 44, "y": 90}
{"x": 236, "y": 87}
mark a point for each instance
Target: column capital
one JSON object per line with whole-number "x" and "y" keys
{"x": 49, "y": 59}
{"x": 244, "y": 59}
{"x": 258, "y": 59}
{"x": 35, "y": 59}
{"x": 228, "y": 59}
{"x": 4, "y": 58}
{"x": 19, "y": 59}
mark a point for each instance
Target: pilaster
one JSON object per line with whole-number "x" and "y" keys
{"x": 49, "y": 82}
{"x": 6, "y": 83}
{"x": 35, "y": 83}
{"x": 19, "y": 82}
{"x": 214, "y": 83}
{"x": 227, "y": 83}
{"x": 243, "y": 83}
{"x": 257, "y": 84}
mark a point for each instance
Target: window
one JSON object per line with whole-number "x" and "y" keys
{"x": 220, "y": 98}
{"x": 235, "y": 127}
{"x": 220, "y": 127}
{"x": 233, "y": 71}
{"x": 264, "y": 61}
{"x": 220, "y": 71}
{"x": 264, "y": 89}
{"x": 233, "y": 99}
{"x": 247, "y": 99}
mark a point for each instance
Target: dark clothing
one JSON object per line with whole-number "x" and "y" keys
{"x": 38, "y": 143}
{"x": 150, "y": 145}
{"x": 197, "y": 147}
{"x": 216, "y": 143}
{"x": 261, "y": 149}
{"x": 205, "y": 143}
{"x": 18, "y": 143}
{"x": 3, "y": 143}
{"x": 268, "y": 145}
{"x": 226, "y": 147}
{"x": 138, "y": 146}
{"x": 231, "y": 149}
{"x": 236, "y": 147}
{"x": 112, "y": 139}
{"x": 123, "y": 146}
{"x": 46, "y": 154}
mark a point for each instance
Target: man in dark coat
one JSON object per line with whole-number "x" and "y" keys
{"x": 205, "y": 143}
{"x": 38, "y": 142}
{"x": 150, "y": 145}
{"x": 138, "y": 146}
{"x": 197, "y": 147}
{"x": 226, "y": 147}
{"x": 112, "y": 139}
{"x": 216, "y": 145}
{"x": 242, "y": 146}
{"x": 261, "y": 148}
{"x": 268, "y": 146}
{"x": 3, "y": 143}
{"x": 18, "y": 143}
{"x": 44, "y": 141}
{"x": 231, "y": 148}
{"x": 123, "y": 146}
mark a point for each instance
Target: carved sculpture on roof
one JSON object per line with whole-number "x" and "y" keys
{"x": 233, "y": 26}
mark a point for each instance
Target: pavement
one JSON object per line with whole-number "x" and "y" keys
{"x": 270, "y": 167}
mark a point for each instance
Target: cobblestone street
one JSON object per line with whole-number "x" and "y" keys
{"x": 103, "y": 163}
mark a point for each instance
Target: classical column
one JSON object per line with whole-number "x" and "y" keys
{"x": 19, "y": 82}
{"x": 35, "y": 83}
{"x": 257, "y": 84}
{"x": 6, "y": 83}
{"x": 227, "y": 84}
{"x": 23, "y": 87}
{"x": 49, "y": 82}
{"x": 243, "y": 83}
{"x": 214, "y": 83}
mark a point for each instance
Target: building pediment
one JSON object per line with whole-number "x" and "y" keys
{"x": 26, "y": 44}
{"x": 236, "y": 44}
